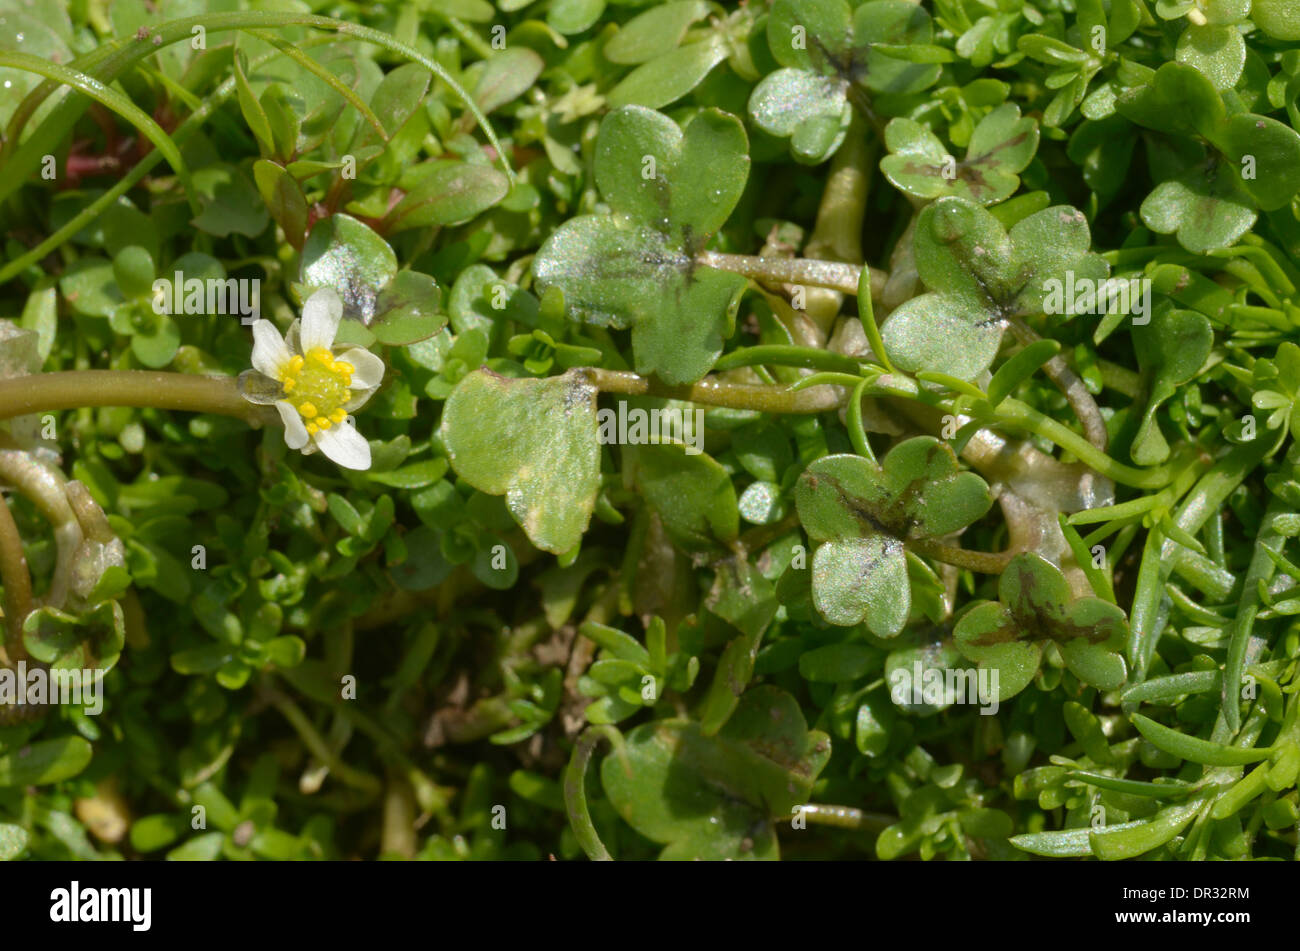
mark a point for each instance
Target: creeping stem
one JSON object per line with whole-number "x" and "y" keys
{"x": 834, "y": 275}
{"x": 1070, "y": 384}
{"x": 72, "y": 389}
{"x": 17, "y": 581}
{"x": 767, "y": 399}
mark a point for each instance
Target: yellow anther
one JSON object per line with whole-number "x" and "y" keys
{"x": 288, "y": 384}
{"x": 347, "y": 368}
{"x": 323, "y": 423}
{"x": 295, "y": 363}
{"x": 312, "y": 429}
{"x": 308, "y": 410}
{"x": 338, "y": 415}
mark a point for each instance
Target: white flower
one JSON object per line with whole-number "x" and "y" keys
{"x": 313, "y": 387}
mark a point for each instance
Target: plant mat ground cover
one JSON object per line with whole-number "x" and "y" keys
{"x": 602, "y": 428}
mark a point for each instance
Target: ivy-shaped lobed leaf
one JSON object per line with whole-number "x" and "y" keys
{"x": 1035, "y": 607}
{"x": 715, "y": 797}
{"x": 861, "y": 514}
{"x": 539, "y": 451}
{"x": 397, "y": 307}
{"x": 979, "y": 275}
{"x": 1171, "y": 349}
{"x": 1001, "y": 145}
{"x": 1240, "y": 163}
{"x": 827, "y": 51}
{"x": 669, "y": 189}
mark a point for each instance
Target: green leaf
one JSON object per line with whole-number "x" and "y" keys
{"x": 408, "y": 310}
{"x": 1273, "y": 151}
{"x": 1196, "y": 750}
{"x": 348, "y": 256}
{"x": 655, "y": 32}
{"x": 942, "y": 330}
{"x": 1218, "y": 52}
{"x": 449, "y": 193}
{"x": 45, "y": 762}
{"x": 747, "y": 600}
{"x": 13, "y": 840}
{"x": 692, "y": 493}
{"x": 574, "y": 16}
{"x": 810, "y": 109}
{"x": 284, "y": 199}
{"x": 1034, "y": 607}
{"x": 669, "y": 190}
{"x": 506, "y": 75}
{"x": 1019, "y": 368}
{"x": 667, "y": 78}
{"x": 1206, "y": 208}
{"x": 1001, "y": 146}
{"x": 1278, "y": 18}
{"x": 393, "y": 103}
{"x": 1171, "y": 350}
{"x": 714, "y": 797}
{"x": 983, "y": 274}
{"x": 1130, "y": 841}
{"x": 540, "y": 452}
{"x": 1179, "y": 100}
{"x": 92, "y": 642}
{"x": 987, "y": 635}
{"x": 862, "y": 512}
{"x": 894, "y": 23}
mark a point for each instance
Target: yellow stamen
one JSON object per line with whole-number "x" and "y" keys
{"x": 312, "y": 429}
{"x": 320, "y": 386}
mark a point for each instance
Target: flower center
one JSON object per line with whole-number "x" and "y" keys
{"x": 317, "y": 386}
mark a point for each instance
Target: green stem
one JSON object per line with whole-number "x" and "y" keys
{"x": 575, "y": 789}
{"x": 765, "y": 399}
{"x": 72, "y": 389}
{"x": 835, "y": 275}
{"x": 988, "y": 563}
{"x": 837, "y": 235}
{"x": 318, "y": 748}
{"x": 1070, "y": 384}
{"x": 787, "y": 356}
{"x": 17, "y": 581}
{"x": 1014, "y": 411}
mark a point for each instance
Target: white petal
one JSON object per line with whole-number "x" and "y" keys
{"x": 358, "y": 399}
{"x": 269, "y": 352}
{"x": 320, "y": 319}
{"x": 291, "y": 337}
{"x": 369, "y": 368}
{"x": 344, "y": 445}
{"x": 295, "y": 433}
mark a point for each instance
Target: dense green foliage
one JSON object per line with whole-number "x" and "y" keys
{"x": 973, "y": 539}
